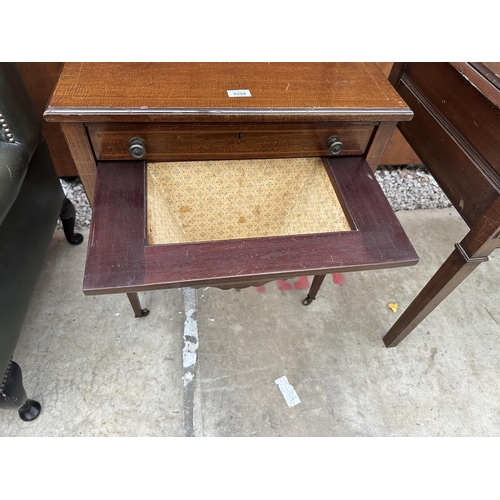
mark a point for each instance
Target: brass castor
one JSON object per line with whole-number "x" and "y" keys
{"x": 308, "y": 300}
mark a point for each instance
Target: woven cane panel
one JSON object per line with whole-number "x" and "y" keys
{"x": 222, "y": 200}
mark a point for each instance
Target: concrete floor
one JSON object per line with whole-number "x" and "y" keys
{"x": 204, "y": 362}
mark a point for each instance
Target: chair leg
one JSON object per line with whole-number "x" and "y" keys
{"x": 317, "y": 281}
{"x": 67, "y": 216}
{"x": 13, "y": 395}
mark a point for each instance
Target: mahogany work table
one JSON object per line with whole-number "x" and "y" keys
{"x": 230, "y": 174}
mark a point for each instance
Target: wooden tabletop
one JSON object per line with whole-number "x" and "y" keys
{"x": 183, "y": 92}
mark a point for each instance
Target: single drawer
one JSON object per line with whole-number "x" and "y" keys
{"x": 198, "y": 141}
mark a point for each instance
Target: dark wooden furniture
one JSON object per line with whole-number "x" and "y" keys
{"x": 344, "y": 113}
{"x": 456, "y": 133}
{"x": 41, "y": 78}
{"x": 398, "y": 151}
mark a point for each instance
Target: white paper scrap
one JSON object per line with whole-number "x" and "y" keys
{"x": 239, "y": 93}
{"x": 288, "y": 391}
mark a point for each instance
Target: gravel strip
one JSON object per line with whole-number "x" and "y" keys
{"x": 407, "y": 187}
{"x": 411, "y": 187}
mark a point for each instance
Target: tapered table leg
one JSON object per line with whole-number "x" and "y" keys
{"x": 454, "y": 270}
{"x": 317, "y": 281}
{"x": 136, "y": 305}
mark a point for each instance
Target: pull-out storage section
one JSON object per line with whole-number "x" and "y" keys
{"x": 234, "y": 223}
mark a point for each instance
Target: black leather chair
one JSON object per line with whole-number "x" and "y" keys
{"x": 31, "y": 200}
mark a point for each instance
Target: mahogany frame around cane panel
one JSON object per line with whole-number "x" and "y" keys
{"x": 119, "y": 260}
